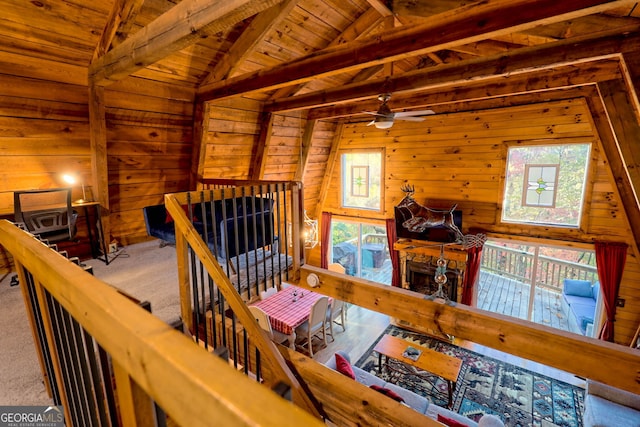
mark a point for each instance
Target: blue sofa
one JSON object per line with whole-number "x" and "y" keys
{"x": 579, "y": 297}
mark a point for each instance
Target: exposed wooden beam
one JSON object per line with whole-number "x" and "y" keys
{"x": 200, "y": 130}
{"x": 474, "y": 22}
{"x": 610, "y": 363}
{"x": 536, "y": 80}
{"x": 622, "y": 149}
{"x": 425, "y": 9}
{"x": 98, "y": 135}
{"x": 181, "y": 26}
{"x": 328, "y": 171}
{"x": 250, "y": 37}
{"x": 380, "y": 7}
{"x": 525, "y": 60}
{"x": 307, "y": 137}
{"x": 259, "y": 161}
{"x": 119, "y": 23}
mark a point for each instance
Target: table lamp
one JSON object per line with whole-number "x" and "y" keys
{"x": 72, "y": 179}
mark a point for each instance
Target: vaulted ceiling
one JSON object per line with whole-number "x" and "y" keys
{"x": 328, "y": 56}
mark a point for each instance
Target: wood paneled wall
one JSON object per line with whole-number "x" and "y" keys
{"x": 231, "y": 140}
{"x": 460, "y": 158}
{"x": 149, "y": 150}
{"x": 45, "y": 133}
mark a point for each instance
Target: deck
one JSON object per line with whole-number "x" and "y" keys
{"x": 511, "y": 297}
{"x": 503, "y": 295}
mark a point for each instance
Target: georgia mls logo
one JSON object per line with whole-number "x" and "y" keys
{"x": 31, "y": 416}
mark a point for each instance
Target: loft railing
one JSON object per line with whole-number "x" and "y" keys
{"x": 254, "y": 232}
{"x": 253, "y": 220}
{"x": 518, "y": 265}
{"x": 100, "y": 342}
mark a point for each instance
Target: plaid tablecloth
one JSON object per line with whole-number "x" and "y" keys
{"x": 286, "y": 314}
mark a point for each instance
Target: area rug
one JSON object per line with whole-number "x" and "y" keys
{"x": 485, "y": 386}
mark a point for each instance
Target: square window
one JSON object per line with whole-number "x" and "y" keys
{"x": 545, "y": 184}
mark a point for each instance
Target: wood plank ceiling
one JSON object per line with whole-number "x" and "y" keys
{"x": 330, "y": 58}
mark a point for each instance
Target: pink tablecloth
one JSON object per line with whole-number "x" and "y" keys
{"x": 286, "y": 314}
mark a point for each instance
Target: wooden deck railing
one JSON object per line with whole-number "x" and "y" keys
{"x": 519, "y": 265}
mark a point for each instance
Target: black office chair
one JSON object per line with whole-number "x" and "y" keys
{"x": 47, "y": 213}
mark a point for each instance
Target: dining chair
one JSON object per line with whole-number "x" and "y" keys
{"x": 263, "y": 320}
{"x": 316, "y": 323}
{"x": 336, "y": 309}
{"x": 268, "y": 293}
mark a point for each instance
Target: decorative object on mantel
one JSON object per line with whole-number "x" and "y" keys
{"x": 420, "y": 218}
{"x": 440, "y": 276}
{"x": 310, "y": 232}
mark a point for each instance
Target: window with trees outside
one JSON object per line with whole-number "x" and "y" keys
{"x": 361, "y": 179}
{"x": 545, "y": 184}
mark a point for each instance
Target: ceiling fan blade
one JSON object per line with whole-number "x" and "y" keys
{"x": 410, "y": 119}
{"x": 414, "y": 113}
{"x": 372, "y": 113}
{"x": 372, "y": 122}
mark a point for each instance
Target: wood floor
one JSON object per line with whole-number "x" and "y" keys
{"x": 364, "y": 326}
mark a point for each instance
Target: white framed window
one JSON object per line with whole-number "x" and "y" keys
{"x": 361, "y": 179}
{"x": 545, "y": 184}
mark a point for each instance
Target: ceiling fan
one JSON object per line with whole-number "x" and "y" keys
{"x": 385, "y": 117}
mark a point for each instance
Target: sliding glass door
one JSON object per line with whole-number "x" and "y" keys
{"x": 361, "y": 249}
{"x": 553, "y": 286}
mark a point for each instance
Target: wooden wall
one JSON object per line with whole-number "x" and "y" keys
{"x": 460, "y": 158}
{"x": 149, "y": 150}
{"x": 45, "y": 133}
{"x": 230, "y": 138}
{"x": 45, "y": 130}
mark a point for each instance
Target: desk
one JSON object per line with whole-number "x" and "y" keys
{"x": 285, "y": 314}
{"x": 437, "y": 363}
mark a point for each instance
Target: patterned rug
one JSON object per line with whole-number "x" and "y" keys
{"x": 485, "y": 386}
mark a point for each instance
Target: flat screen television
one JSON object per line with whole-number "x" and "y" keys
{"x": 433, "y": 234}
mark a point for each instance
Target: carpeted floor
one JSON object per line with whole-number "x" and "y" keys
{"x": 143, "y": 270}
{"x": 485, "y": 385}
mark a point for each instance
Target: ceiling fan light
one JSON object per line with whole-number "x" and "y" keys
{"x": 383, "y": 124}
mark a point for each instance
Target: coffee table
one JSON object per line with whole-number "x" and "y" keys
{"x": 442, "y": 365}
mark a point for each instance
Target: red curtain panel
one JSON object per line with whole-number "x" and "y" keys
{"x": 610, "y": 260}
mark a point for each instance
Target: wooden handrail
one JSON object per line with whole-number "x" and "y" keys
{"x": 187, "y": 234}
{"x": 602, "y": 361}
{"x": 190, "y": 385}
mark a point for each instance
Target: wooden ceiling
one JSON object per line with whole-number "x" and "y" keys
{"x": 332, "y": 57}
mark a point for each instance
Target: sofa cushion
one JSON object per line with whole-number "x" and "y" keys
{"x": 344, "y": 366}
{"x": 600, "y": 412}
{"x": 579, "y": 288}
{"x": 450, "y": 421}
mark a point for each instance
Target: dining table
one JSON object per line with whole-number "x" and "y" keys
{"x": 289, "y": 308}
